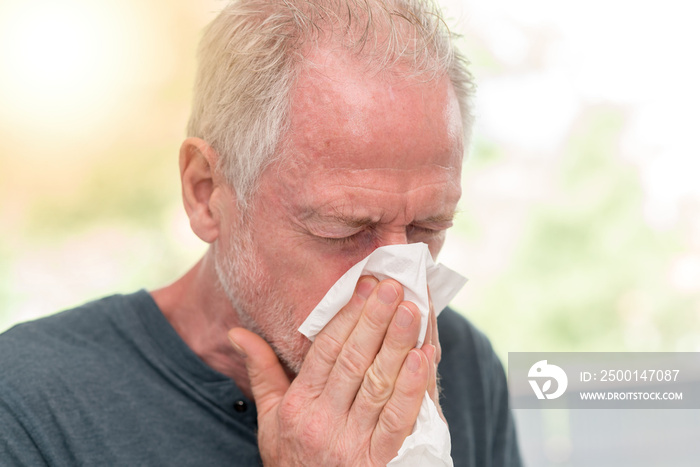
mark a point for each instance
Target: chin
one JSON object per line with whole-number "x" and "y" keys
{"x": 291, "y": 352}
{"x": 262, "y": 305}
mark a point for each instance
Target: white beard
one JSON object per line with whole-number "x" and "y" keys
{"x": 259, "y": 304}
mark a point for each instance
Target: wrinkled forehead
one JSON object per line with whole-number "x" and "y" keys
{"x": 341, "y": 110}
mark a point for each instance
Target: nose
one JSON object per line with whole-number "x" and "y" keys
{"x": 393, "y": 237}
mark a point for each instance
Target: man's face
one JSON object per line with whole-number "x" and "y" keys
{"x": 368, "y": 161}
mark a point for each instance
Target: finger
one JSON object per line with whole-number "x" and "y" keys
{"x": 268, "y": 381}
{"x": 380, "y": 379}
{"x": 363, "y": 344}
{"x": 433, "y": 378}
{"x": 322, "y": 355}
{"x": 433, "y": 383}
{"x": 434, "y": 354}
{"x": 401, "y": 411}
{"x": 428, "y": 339}
{"x": 429, "y": 351}
{"x": 433, "y": 330}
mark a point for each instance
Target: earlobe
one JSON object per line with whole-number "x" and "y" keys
{"x": 199, "y": 187}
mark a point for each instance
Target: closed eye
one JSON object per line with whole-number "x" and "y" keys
{"x": 340, "y": 240}
{"x": 358, "y": 237}
{"x": 414, "y": 231}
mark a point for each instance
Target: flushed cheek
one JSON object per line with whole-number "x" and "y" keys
{"x": 322, "y": 273}
{"x": 303, "y": 277}
{"x": 328, "y": 269}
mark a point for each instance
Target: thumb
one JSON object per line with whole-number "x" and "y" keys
{"x": 268, "y": 381}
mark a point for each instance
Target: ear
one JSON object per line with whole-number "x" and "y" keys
{"x": 200, "y": 185}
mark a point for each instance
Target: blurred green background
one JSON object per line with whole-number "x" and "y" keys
{"x": 580, "y": 220}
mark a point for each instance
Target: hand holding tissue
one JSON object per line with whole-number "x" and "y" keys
{"x": 413, "y": 267}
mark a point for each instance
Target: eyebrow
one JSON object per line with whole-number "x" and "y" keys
{"x": 439, "y": 218}
{"x": 359, "y": 222}
{"x": 355, "y": 222}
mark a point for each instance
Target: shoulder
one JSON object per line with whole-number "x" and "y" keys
{"x": 42, "y": 353}
{"x": 464, "y": 342}
{"x": 474, "y": 396}
{"x": 76, "y": 327}
{"x": 49, "y": 366}
{"x": 470, "y": 371}
{"x": 468, "y": 359}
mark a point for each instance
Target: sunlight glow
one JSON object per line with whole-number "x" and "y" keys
{"x": 65, "y": 63}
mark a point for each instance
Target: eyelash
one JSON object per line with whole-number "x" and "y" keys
{"x": 355, "y": 237}
{"x": 347, "y": 240}
{"x": 340, "y": 241}
{"x": 423, "y": 230}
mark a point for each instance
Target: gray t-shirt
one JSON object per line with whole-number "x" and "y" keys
{"x": 112, "y": 384}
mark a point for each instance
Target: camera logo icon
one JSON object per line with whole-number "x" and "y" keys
{"x": 544, "y": 372}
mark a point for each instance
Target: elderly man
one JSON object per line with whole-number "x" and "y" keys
{"x": 320, "y": 131}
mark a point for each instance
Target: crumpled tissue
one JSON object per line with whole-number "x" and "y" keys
{"x": 413, "y": 267}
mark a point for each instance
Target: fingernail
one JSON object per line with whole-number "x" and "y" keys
{"x": 387, "y": 293}
{"x": 364, "y": 288}
{"x": 239, "y": 350}
{"x": 413, "y": 361}
{"x": 404, "y": 317}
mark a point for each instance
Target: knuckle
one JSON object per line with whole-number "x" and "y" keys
{"x": 376, "y": 385}
{"x": 352, "y": 360}
{"x": 327, "y": 348}
{"x": 377, "y": 319}
{"x": 397, "y": 343}
{"x": 392, "y": 420}
{"x": 313, "y": 435}
{"x": 411, "y": 390}
{"x": 290, "y": 410}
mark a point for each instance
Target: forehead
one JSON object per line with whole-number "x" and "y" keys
{"x": 343, "y": 115}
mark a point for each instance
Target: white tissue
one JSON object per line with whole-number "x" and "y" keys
{"x": 413, "y": 267}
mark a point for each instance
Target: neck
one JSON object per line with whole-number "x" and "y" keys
{"x": 201, "y": 313}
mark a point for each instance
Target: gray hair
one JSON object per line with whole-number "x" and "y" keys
{"x": 251, "y": 54}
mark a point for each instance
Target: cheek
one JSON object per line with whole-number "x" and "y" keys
{"x": 302, "y": 273}
{"x": 435, "y": 245}
{"x": 322, "y": 271}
